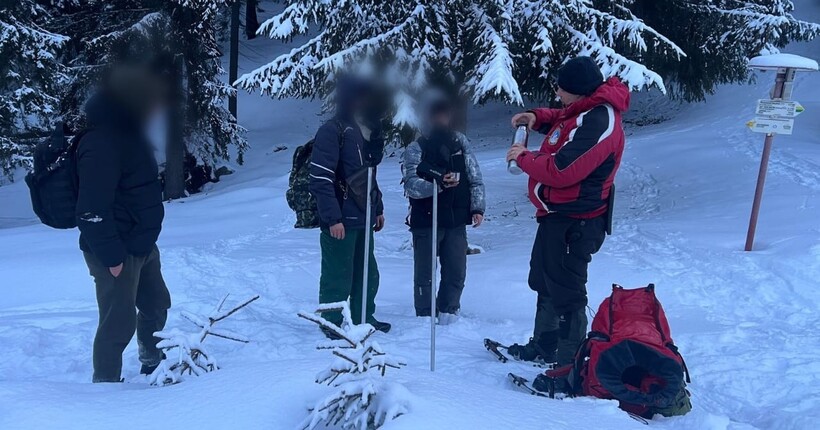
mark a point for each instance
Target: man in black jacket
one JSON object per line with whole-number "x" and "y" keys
{"x": 119, "y": 213}
{"x": 344, "y": 147}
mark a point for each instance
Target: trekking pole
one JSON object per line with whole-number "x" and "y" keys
{"x": 433, "y": 276}
{"x": 368, "y": 227}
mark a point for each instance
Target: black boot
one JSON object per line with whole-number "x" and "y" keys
{"x": 545, "y": 384}
{"x": 380, "y": 326}
{"x": 533, "y": 352}
{"x": 147, "y": 370}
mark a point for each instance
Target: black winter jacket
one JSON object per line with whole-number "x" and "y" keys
{"x": 119, "y": 206}
{"x": 339, "y": 151}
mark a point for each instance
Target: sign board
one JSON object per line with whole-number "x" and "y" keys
{"x": 774, "y": 125}
{"x": 780, "y": 108}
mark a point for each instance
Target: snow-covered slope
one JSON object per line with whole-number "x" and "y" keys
{"x": 744, "y": 321}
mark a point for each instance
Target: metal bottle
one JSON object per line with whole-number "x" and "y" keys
{"x": 520, "y": 138}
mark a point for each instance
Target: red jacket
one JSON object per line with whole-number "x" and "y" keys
{"x": 572, "y": 173}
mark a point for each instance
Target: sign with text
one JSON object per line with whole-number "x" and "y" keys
{"x": 773, "y": 125}
{"x": 781, "y": 108}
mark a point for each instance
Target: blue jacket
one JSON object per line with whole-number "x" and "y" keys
{"x": 341, "y": 148}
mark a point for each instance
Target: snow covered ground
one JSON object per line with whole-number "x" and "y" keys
{"x": 744, "y": 321}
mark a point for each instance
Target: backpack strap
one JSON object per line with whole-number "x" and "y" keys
{"x": 675, "y": 350}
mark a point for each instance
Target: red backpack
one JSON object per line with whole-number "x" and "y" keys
{"x": 629, "y": 356}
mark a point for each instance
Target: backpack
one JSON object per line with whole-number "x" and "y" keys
{"x": 53, "y": 183}
{"x": 298, "y": 195}
{"x": 629, "y": 356}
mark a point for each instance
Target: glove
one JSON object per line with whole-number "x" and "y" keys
{"x": 430, "y": 172}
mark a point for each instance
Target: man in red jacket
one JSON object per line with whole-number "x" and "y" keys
{"x": 570, "y": 180}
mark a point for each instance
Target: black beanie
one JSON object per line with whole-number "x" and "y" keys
{"x": 580, "y": 76}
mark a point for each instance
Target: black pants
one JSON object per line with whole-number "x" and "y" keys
{"x": 561, "y": 254}
{"x": 139, "y": 287}
{"x": 452, "y": 254}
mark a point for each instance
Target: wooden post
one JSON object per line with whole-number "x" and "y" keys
{"x": 233, "y": 67}
{"x": 780, "y": 83}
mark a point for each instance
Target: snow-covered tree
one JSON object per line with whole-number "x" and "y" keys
{"x": 185, "y": 353}
{"x": 361, "y": 398}
{"x": 718, "y": 37}
{"x": 105, "y": 33}
{"x": 488, "y": 49}
{"x": 30, "y": 80}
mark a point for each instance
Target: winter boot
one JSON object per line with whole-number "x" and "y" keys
{"x": 445, "y": 318}
{"x": 380, "y": 326}
{"x": 148, "y": 369}
{"x": 544, "y": 383}
{"x": 530, "y": 352}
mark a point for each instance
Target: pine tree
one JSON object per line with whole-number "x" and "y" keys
{"x": 30, "y": 80}
{"x": 105, "y": 33}
{"x": 489, "y": 49}
{"x": 210, "y": 130}
{"x": 718, "y": 36}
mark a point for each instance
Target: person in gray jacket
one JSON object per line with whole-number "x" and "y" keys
{"x": 440, "y": 162}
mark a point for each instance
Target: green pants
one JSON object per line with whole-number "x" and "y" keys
{"x": 342, "y": 273}
{"x": 136, "y": 300}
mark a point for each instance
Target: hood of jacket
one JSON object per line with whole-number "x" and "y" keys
{"x": 612, "y": 92}
{"x": 102, "y": 110}
{"x": 350, "y": 91}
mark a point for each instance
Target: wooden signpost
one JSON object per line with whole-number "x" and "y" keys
{"x": 775, "y": 116}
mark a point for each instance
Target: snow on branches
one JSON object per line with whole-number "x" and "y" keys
{"x": 361, "y": 399}
{"x": 185, "y": 353}
{"x": 30, "y": 79}
{"x": 762, "y": 26}
{"x": 485, "y": 49}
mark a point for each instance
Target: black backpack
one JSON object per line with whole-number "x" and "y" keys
{"x": 53, "y": 183}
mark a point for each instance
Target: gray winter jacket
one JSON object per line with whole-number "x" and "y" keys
{"x": 418, "y": 188}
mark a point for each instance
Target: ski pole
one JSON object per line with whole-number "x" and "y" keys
{"x": 368, "y": 227}
{"x": 433, "y": 276}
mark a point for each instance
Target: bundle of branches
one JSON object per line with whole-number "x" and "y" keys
{"x": 361, "y": 399}
{"x": 185, "y": 353}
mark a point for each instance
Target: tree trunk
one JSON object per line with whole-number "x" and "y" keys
{"x": 251, "y": 21}
{"x": 233, "y": 68}
{"x": 460, "y": 113}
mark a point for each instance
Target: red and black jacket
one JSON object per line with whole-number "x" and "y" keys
{"x": 572, "y": 173}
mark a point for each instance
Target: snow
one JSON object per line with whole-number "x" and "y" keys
{"x": 776, "y": 61}
{"x": 743, "y": 321}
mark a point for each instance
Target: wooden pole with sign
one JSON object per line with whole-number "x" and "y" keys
{"x": 777, "y": 94}
{"x": 775, "y": 116}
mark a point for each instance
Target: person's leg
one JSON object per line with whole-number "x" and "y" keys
{"x": 545, "y": 333}
{"x": 422, "y": 269}
{"x": 546, "y": 322}
{"x": 116, "y": 300}
{"x": 337, "y": 270}
{"x": 153, "y": 301}
{"x": 453, "y": 258}
{"x": 567, "y": 278}
{"x": 358, "y": 279}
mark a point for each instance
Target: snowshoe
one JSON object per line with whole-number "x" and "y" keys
{"x": 524, "y": 384}
{"x": 495, "y": 347}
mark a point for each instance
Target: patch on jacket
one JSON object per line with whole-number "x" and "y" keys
{"x": 555, "y": 136}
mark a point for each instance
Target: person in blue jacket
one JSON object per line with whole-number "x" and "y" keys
{"x": 344, "y": 147}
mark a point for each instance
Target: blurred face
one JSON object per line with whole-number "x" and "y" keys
{"x": 442, "y": 119}
{"x": 565, "y": 97}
